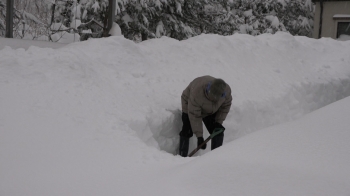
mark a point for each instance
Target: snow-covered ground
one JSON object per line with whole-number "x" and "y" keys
{"x": 102, "y": 117}
{"x": 25, "y": 43}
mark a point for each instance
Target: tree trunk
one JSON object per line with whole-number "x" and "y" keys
{"x": 53, "y": 13}
{"x": 9, "y": 19}
{"x": 321, "y": 20}
{"x": 144, "y": 36}
{"x": 52, "y": 19}
{"x": 108, "y": 23}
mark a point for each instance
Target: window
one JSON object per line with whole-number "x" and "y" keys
{"x": 343, "y": 29}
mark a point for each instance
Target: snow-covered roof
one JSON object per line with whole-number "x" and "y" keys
{"x": 337, "y": 16}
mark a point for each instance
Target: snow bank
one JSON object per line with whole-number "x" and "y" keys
{"x": 65, "y": 38}
{"x": 306, "y": 157}
{"x": 25, "y": 44}
{"x": 91, "y": 117}
{"x": 344, "y": 37}
{"x": 274, "y": 79}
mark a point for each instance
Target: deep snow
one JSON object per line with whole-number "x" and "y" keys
{"x": 102, "y": 117}
{"x": 25, "y": 44}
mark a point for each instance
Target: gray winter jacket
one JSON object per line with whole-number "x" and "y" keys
{"x": 196, "y": 104}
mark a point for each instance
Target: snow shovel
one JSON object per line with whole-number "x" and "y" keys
{"x": 216, "y": 132}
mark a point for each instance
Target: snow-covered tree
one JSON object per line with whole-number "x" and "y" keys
{"x": 65, "y": 19}
{"x": 93, "y": 16}
{"x": 62, "y": 11}
{"x": 179, "y": 19}
{"x": 298, "y": 16}
{"x": 2, "y": 17}
{"x": 28, "y": 22}
{"x": 66, "y": 11}
{"x": 265, "y": 16}
{"x": 28, "y": 18}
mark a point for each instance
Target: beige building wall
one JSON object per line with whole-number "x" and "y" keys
{"x": 329, "y": 26}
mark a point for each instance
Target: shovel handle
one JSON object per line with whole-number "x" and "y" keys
{"x": 199, "y": 147}
{"x": 216, "y": 132}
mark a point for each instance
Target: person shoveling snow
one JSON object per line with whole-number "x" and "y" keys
{"x": 206, "y": 99}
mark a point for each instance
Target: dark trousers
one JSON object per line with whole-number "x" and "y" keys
{"x": 209, "y": 123}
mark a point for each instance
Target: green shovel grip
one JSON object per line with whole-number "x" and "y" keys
{"x": 216, "y": 132}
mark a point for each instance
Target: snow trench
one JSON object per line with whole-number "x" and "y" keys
{"x": 251, "y": 116}
{"x": 299, "y": 100}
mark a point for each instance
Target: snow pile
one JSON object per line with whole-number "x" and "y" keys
{"x": 307, "y": 157}
{"x": 91, "y": 118}
{"x": 115, "y": 30}
{"x": 25, "y": 44}
{"x": 274, "y": 21}
{"x": 274, "y": 79}
{"x": 344, "y": 37}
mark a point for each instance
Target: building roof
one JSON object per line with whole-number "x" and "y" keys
{"x": 328, "y": 0}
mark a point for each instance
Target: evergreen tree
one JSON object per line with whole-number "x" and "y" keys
{"x": 298, "y": 17}
{"x": 93, "y": 15}
{"x": 179, "y": 19}
{"x": 66, "y": 12}
{"x": 265, "y": 16}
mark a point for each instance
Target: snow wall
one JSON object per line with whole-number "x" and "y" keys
{"x": 112, "y": 85}
{"x": 251, "y": 116}
{"x": 285, "y": 99}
